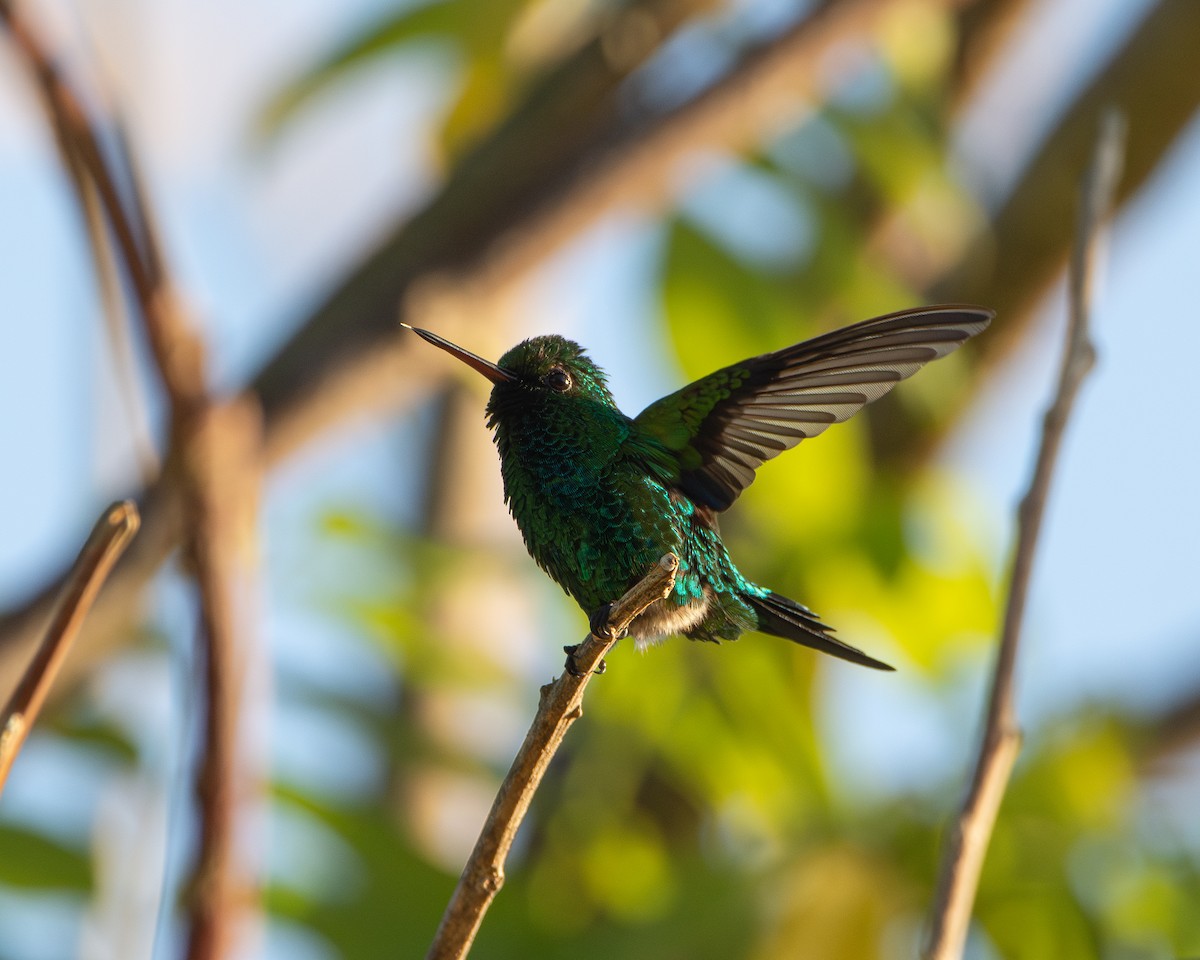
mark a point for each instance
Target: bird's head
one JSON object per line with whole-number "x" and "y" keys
{"x": 549, "y": 369}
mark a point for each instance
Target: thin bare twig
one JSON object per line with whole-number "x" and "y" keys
{"x": 117, "y": 321}
{"x": 107, "y": 542}
{"x": 968, "y": 839}
{"x": 561, "y": 704}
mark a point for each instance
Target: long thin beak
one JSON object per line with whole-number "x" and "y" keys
{"x": 486, "y": 367}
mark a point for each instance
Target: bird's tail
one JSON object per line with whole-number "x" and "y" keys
{"x": 781, "y": 617}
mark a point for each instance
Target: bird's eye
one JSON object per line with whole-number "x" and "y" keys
{"x": 558, "y": 379}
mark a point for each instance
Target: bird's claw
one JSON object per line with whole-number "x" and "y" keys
{"x": 598, "y": 623}
{"x": 573, "y": 667}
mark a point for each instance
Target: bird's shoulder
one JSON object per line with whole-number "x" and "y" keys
{"x": 646, "y": 455}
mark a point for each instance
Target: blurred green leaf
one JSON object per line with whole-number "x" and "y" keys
{"x": 87, "y": 729}
{"x": 478, "y": 29}
{"x": 717, "y": 310}
{"x": 628, "y": 871}
{"x": 394, "y": 911}
{"x": 32, "y": 861}
{"x": 832, "y": 903}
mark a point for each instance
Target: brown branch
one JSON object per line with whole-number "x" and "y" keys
{"x": 78, "y": 150}
{"x": 968, "y": 838}
{"x": 222, "y": 467}
{"x": 561, "y": 704}
{"x": 107, "y": 541}
{"x": 213, "y": 448}
{"x": 1173, "y": 732}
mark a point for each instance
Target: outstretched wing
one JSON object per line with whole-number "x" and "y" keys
{"x": 727, "y": 424}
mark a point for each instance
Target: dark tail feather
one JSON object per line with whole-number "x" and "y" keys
{"x": 781, "y": 617}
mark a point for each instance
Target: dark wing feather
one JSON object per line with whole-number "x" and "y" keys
{"x": 726, "y": 425}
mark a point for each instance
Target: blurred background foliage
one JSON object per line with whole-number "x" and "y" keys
{"x": 705, "y": 806}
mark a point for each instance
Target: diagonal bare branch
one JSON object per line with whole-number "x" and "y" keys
{"x": 108, "y": 540}
{"x": 561, "y": 704}
{"x": 968, "y": 838}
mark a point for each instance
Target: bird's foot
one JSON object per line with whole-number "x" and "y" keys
{"x": 598, "y": 623}
{"x": 573, "y": 666}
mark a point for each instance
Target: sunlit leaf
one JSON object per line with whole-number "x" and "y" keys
{"x": 832, "y": 904}
{"x": 93, "y": 731}
{"x": 627, "y": 871}
{"x": 485, "y": 92}
{"x": 30, "y": 860}
{"x": 718, "y": 310}
{"x": 477, "y": 28}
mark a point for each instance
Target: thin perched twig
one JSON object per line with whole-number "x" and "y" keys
{"x": 212, "y": 485}
{"x": 107, "y": 542}
{"x": 968, "y": 839}
{"x": 561, "y": 705}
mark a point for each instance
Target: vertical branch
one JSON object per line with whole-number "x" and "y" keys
{"x": 225, "y": 483}
{"x": 212, "y": 449}
{"x": 560, "y": 706}
{"x": 968, "y": 839}
{"x": 104, "y": 546}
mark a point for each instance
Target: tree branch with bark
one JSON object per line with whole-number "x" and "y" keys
{"x": 560, "y": 705}
{"x": 968, "y": 837}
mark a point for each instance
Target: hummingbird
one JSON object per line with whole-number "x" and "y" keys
{"x": 599, "y": 496}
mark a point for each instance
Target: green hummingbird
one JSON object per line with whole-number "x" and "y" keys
{"x": 599, "y": 496}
